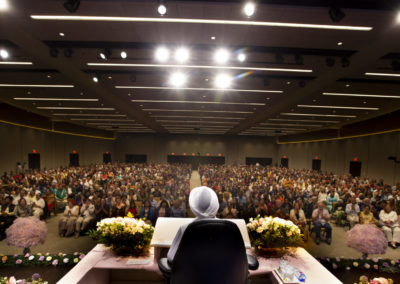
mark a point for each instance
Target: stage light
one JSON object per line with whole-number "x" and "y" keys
{"x": 162, "y": 9}
{"x": 72, "y": 5}
{"x": 241, "y": 57}
{"x": 340, "y": 43}
{"x": 178, "y": 79}
{"x": 330, "y": 61}
{"x": 162, "y": 54}
{"x": 106, "y": 54}
{"x": 123, "y": 54}
{"x": 61, "y": 34}
{"x": 336, "y": 14}
{"x": 68, "y": 52}
{"x": 249, "y": 9}
{"x": 223, "y": 81}
{"x": 4, "y": 54}
{"x": 221, "y": 56}
{"x": 345, "y": 62}
{"x": 3, "y": 5}
{"x": 95, "y": 79}
{"x": 182, "y": 55}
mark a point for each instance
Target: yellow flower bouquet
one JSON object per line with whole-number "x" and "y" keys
{"x": 268, "y": 232}
{"x": 125, "y": 236}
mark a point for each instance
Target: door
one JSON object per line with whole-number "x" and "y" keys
{"x": 133, "y": 158}
{"x": 261, "y": 161}
{"x": 355, "y": 168}
{"x": 74, "y": 160}
{"x": 316, "y": 164}
{"x": 106, "y": 158}
{"x": 34, "y": 161}
{"x": 285, "y": 162}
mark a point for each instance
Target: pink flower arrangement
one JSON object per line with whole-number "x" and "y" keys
{"x": 18, "y": 261}
{"x": 26, "y": 232}
{"x": 367, "y": 239}
{"x": 55, "y": 262}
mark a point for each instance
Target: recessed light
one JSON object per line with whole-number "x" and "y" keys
{"x": 213, "y": 38}
{"x": 35, "y": 86}
{"x": 347, "y": 85}
{"x": 383, "y": 74}
{"x": 95, "y": 79}
{"x": 204, "y": 96}
{"x": 110, "y": 77}
{"x": 340, "y": 43}
{"x": 206, "y": 79}
{"x": 28, "y": 93}
{"x": 364, "y": 102}
{"x": 361, "y": 95}
{"x": 4, "y": 54}
{"x": 49, "y": 76}
{"x": 182, "y": 55}
{"x": 61, "y": 34}
{"x": 162, "y": 9}
{"x": 242, "y": 57}
{"x": 81, "y": 93}
{"x": 223, "y": 81}
{"x": 124, "y": 55}
{"x": 249, "y": 9}
{"x": 314, "y": 100}
{"x": 339, "y": 107}
{"x": 221, "y": 56}
{"x": 103, "y": 56}
{"x": 129, "y": 94}
{"x": 178, "y": 79}
{"x": 200, "y": 21}
{"x": 288, "y": 83}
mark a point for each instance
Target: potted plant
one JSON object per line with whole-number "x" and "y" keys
{"x": 273, "y": 236}
{"x": 125, "y": 236}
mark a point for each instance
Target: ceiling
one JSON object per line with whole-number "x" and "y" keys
{"x": 284, "y": 86}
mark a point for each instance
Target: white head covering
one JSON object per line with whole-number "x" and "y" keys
{"x": 204, "y": 202}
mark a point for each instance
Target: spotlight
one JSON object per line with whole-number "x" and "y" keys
{"x": 279, "y": 58}
{"x": 177, "y": 79}
{"x": 3, "y": 5}
{"x": 298, "y": 59}
{"x": 249, "y": 9}
{"x": 162, "y": 54}
{"x": 396, "y": 65}
{"x": 336, "y": 14}
{"x": 106, "y": 54}
{"x": 68, "y": 52}
{"x": 330, "y": 61}
{"x": 124, "y": 55}
{"x": 223, "y": 81}
{"x": 53, "y": 52}
{"x": 241, "y": 57}
{"x": 72, "y": 5}
{"x": 345, "y": 62}
{"x": 221, "y": 56}
{"x": 4, "y": 54}
{"x": 96, "y": 78}
{"x": 182, "y": 55}
{"x": 162, "y": 9}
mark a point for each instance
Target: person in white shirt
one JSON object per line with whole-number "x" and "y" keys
{"x": 390, "y": 225}
{"x": 38, "y": 205}
{"x": 86, "y": 216}
{"x": 322, "y": 195}
{"x": 353, "y": 211}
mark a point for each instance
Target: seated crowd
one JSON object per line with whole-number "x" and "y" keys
{"x": 311, "y": 199}
{"x": 84, "y": 195}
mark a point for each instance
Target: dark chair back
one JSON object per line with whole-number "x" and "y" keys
{"x": 211, "y": 251}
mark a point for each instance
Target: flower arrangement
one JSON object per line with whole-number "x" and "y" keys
{"x": 380, "y": 280}
{"x": 378, "y": 264}
{"x": 35, "y": 279}
{"x": 268, "y": 232}
{"x": 41, "y": 259}
{"x": 126, "y": 236}
{"x": 26, "y": 232}
{"x": 367, "y": 239}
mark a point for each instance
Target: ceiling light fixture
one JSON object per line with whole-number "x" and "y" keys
{"x": 56, "y": 99}
{"x": 79, "y": 108}
{"x": 221, "y": 56}
{"x": 200, "y": 117}
{"x": 162, "y": 54}
{"x": 291, "y": 124}
{"x": 95, "y": 79}
{"x": 124, "y": 54}
{"x": 223, "y": 81}
{"x": 340, "y": 43}
{"x": 196, "y": 110}
{"x": 339, "y": 107}
{"x": 106, "y": 54}
{"x": 103, "y": 119}
{"x": 89, "y": 114}
{"x": 303, "y": 120}
{"x": 182, "y": 55}
{"x": 34, "y": 86}
{"x": 197, "y": 89}
{"x": 383, "y": 74}
{"x": 161, "y": 9}
{"x": 130, "y": 65}
{"x": 61, "y": 34}
{"x": 196, "y": 102}
{"x": 178, "y": 79}
{"x": 4, "y": 54}
{"x": 317, "y": 114}
{"x": 213, "y": 38}
{"x": 15, "y": 63}
{"x": 199, "y": 21}
{"x": 249, "y": 9}
{"x": 361, "y": 95}
{"x": 241, "y": 57}
{"x": 3, "y": 5}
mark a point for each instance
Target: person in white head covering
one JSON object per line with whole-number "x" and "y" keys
{"x": 38, "y": 204}
{"x": 203, "y": 202}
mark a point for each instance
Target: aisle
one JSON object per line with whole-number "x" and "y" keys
{"x": 195, "y": 180}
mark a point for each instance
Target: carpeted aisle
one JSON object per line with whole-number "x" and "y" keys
{"x": 195, "y": 180}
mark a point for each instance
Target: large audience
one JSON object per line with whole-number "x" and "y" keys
{"x": 311, "y": 199}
